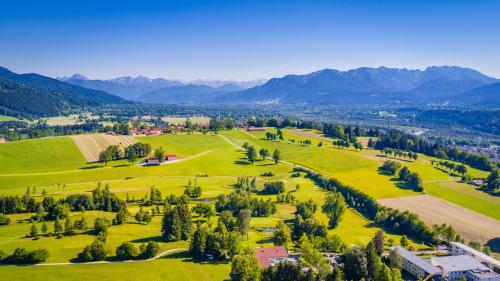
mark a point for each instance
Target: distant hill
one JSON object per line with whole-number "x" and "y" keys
{"x": 22, "y": 98}
{"x": 488, "y": 95}
{"x": 39, "y": 95}
{"x": 125, "y": 87}
{"x": 365, "y": 86}
{"x": 186, "y": 94}
{"x": 132, "y": 88}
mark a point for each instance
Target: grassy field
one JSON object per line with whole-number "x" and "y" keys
{"x": 173, "y": 267}
{"x": 40, "y": 155}
{"x": 7, "y": 118}
{"x": 56, "y": 165}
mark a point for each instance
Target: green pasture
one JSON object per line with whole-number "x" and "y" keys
{"x": 173, "y": 267}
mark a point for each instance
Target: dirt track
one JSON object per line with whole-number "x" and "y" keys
{"x": 471, "y": 225}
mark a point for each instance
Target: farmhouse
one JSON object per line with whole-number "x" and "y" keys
{"x": 476, "y": 182}
{"x": 270, "y": 256}
{"x": 461, "y": 249}
{"x": 152, "y": 161}
{"x": 154, "y": 132}
{"x": 170, "y": 157}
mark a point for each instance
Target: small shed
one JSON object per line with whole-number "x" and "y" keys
{"x": 152, "y": 161}
{"x": 170, "y": 157}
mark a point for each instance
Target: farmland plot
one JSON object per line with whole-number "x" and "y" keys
{"x": 432, "y": 210}
{"x": 92, "y": 145}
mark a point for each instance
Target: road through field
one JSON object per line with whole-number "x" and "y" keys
{"x": 432, "y": 210}
{"x": 103, "y": 262}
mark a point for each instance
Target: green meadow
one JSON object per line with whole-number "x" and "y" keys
{"x": 57, "y": 166}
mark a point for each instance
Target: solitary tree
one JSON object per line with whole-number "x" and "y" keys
{"x": 282, "y": 236}
{"x": 251, "y": 154}
{"x": 263, "y": 153}
{"x": 276, "y": 156}
{"x": 160, "y": 154}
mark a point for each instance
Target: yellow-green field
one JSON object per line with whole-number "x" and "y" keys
{"x": 57, "y": 166}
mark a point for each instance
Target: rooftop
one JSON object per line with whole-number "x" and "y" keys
{"x": 477, "y": 253}
{"x": 265, "y": 253}
{"x": 407, "y": 255}
{"x": 458, "y": 263}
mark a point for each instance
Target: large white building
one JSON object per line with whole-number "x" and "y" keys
{"x": 448, "y": 268}
{"x": 461, "y": 249}
{"x": 417, "y": 266}
{"x": 454, "y": 267}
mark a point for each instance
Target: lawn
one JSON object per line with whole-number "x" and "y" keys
{"x": 173, "y": 267}
{"x": 184, "y": 145}
{"x": 40, "y": 155}
{"x": 7, "y": 118}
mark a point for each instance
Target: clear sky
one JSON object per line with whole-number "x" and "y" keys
{"x": 245, "y": 39}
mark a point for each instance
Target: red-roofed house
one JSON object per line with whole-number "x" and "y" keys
{"x": 152, "y": 161}
{"x": 170, "y": 157}
{"x": 270, "y": 256}
{"x": 2, "y": 140}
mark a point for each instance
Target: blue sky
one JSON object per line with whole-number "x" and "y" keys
{"x": 245, "y": 39}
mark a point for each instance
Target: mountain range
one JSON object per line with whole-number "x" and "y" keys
{"x": 444, "y": 85}
{"x": 36, "y": 94}
{"x": 439, "y": 85}
{"x": 133, "y": 88}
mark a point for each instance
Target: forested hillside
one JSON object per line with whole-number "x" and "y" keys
{"x": 43, "y": 96}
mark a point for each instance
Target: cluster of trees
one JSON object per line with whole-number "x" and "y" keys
{"x": 16, "y": 130}
{"x": 246, "y": 184}
{"x": 121, "y": 128}
{"x": 399, "y": 140}
{"x": 390, "y": 167}
{"x": 69, "y": 228}
{"x": 273, "y": 187}
{"x": 305, "y": 223}
{"x": 399, "y": 153}
{"x": 136, "y": 150}
{"x": 493, "y": 181}
{"x": 177, "y": 222}
{"x": 131, "y": 153}
{"x": 251, "y": 153}
{"x": 240, "y": 200}
{"x": 218, "y": 243}
{"x": 4, "y": 220}
{"x": 23, "y": 256}
{"x": 400, "y": 222}
{"x": 274, "y": 136}
{"x": 334, "y": 207}
{"x": 193, "y": 190}
{"x": 347, "y": 144}
{"x": 128, "y": 251}
{"x": 217, "y": 124}
{"x": 459, "y": 168}
{"x": 285, "y": 198}
{"x": 49, "y": 208}
{"x": 411, "y": 179}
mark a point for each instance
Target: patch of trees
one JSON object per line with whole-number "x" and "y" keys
{"x": 136, "y": 150}
{"x": 217, "y": 124}
{"x": 274, "y": 187}
{"x": 493, "y": 181}
{"x": 121, "y": 128}
{"x": 305, "y": 223}
{"x": 399, "y": 140}
{"x": 334, "y": 207}
{"x": 128, "y": 251}
{"x": 400, "y": 222}
{"x": 16, "y": 130}
{"x": 23, "y": 256}
{"x": 177, "y": 222}
{"x": 411, "y": 179}
{"x": 390, "y": 167}
{"x": 399, "y": 153}
{"x": 217, "y": 243}
{"x": 237, "y": 201}
{"x": 193, "y": 190}
{"x": 246, "y": 184}
{"x": 49, "y": 208}
{"x": 4, "y": 220}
